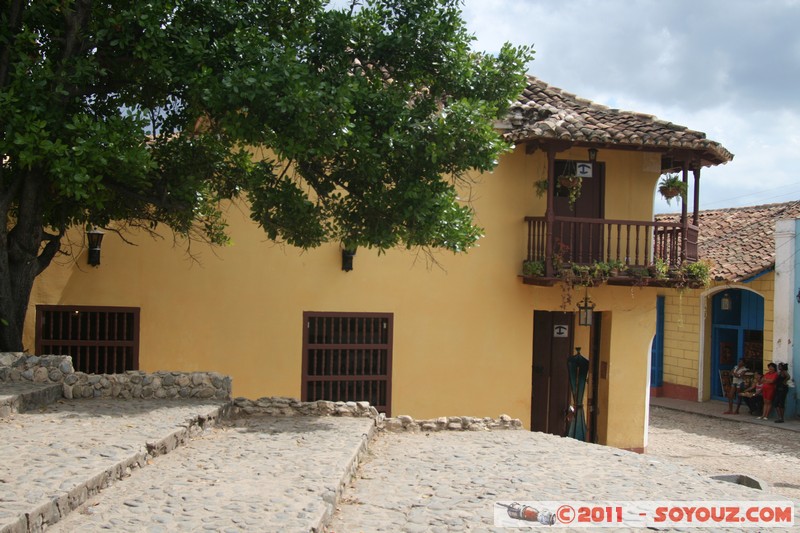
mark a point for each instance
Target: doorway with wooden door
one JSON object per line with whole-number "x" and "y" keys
{"x": 579, "y": 241}
{"x": 552, "y": 345}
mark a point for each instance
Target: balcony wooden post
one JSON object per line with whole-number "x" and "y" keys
{"x": 684, "y": 214}
{"x": 550, "y": 214}
{"x": 696, "y": 215}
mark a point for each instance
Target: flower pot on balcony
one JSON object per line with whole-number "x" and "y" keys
{"x": 569, "y": 182}
{"x": 670, "y": 192}
{"x": 671, "y": 186}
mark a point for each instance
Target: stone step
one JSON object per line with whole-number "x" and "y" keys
{"x": 255, "y": 473}
{"x": 66, "y": 452}
{"x": 100, "y": 464}
{"x": 19, "y": 397}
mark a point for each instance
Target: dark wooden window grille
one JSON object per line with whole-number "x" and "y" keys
{"x": 348, "y": 357}
{"x": 100, "y": 340}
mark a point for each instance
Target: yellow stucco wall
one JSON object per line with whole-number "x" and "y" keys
{"x": 684, "y": 322}
{"x": 681, "y": 336}
{"x": 463, "y": 325}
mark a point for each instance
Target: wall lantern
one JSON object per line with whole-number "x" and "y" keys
{"x": 95, "y": 238}
{"x": 593, "y": 155}
{"x": 347, "y": 259}
{"x": 585, "y": 310}
{"x": 725, "y": 302}
{"x": 798, "y": 296}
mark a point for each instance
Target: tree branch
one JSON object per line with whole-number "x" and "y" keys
{"x": 353, "y": 5}
{"x": 24, "y": 239}
{"x": 49, "y": 251}
{"x": 121, "y": 234}
{"x": 14, "y": 25}
{"x": 75, "y": 20}
{"x": 157, "y": 201}
{"x": 8, "y": 196}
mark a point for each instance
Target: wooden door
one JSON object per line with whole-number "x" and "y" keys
{"x": 552, "y": 345}
{"x": 580, "y": 242}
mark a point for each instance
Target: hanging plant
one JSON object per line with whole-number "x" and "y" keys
{"x": 672, "y": 186}
{"x": 572, "y": 183}
{"x": 541, "y": 187}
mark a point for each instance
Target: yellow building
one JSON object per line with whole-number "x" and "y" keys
{"x": 417, "y": 334}
{"x": 706, "y": 332}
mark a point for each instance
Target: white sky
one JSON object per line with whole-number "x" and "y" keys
{"x": 729, "y": 68}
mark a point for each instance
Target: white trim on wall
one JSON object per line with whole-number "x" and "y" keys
{"x": 783, "y": 311}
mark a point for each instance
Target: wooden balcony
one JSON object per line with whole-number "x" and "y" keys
{"x": 632, "y": 251}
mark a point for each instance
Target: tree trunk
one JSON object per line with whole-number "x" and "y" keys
{"x": 22, "y": 257}
{"x": 14, "y": 296}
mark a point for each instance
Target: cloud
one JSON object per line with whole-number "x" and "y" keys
{"x": 729, "y": 68}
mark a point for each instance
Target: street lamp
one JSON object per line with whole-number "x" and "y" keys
{"x": 95, "y": 238}
{"x": 585, "y": 310}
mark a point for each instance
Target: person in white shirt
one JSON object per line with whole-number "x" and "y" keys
{"x": 737, "y": 386}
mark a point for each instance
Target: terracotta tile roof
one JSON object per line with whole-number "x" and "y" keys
{"x": 739, "y": 241}
{"x": 544, "y": 112}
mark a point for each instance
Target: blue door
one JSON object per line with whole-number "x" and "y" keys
{"x": 737, "y": 333}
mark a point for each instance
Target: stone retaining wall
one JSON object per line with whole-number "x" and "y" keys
{"x": 451, "y": 423}
{"x": 293, "y": 407}
{"x": 34, "y": 368}
{"x": 278, "y": 406}
{"x": 20, "y": 367}
{"x": 135, "y": 384}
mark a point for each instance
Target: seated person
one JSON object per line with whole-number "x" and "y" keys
{"x": 752, "y": 395}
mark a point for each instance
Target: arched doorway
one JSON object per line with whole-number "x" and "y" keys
{"x": 737, "y": 333}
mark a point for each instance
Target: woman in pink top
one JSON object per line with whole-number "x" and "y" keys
{"x": 769, "y": 389}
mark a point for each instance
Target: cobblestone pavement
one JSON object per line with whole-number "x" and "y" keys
{"x": 448, "y": 481}
{"x": 61, "y": 452}
{"x": 714, "y": 445}
{"x": 254, "y": 474}
{"x": 282, "y": 474}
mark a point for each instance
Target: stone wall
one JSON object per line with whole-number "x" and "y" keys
{"x": 135, "y": 384}
{"x": 278, "y": 406}
{"x": 19, "y": 367}
{"x": 451, "y": 423}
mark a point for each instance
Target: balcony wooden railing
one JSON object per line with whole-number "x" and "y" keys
{"x": 632, "y": 243}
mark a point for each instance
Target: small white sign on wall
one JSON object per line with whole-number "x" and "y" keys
{"x": 560, "y": 331}
{"x": 583, "y": 169}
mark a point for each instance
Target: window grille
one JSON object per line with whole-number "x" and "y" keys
{"x": 100, "y": 340}
{"x": 348, "y": 357}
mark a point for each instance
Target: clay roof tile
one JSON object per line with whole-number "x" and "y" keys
{"x": 545, "y": 112}
{"x": 739, "y": 242}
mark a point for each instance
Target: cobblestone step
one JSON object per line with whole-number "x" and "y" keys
{"x": 255, "y": 473}
{"x": 58, "y": 456}
{"x": 19, "y": 397}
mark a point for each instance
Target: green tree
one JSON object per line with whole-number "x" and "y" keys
{"x": 143, "y": 111}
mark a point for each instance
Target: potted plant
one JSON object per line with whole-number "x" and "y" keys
{"x": 572, "y": 183}
{"x": 671, "y": 186}
{"x": 541, "y": 187}
{"x": 569, "y": 181}
{"x": 533, "y": 268}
